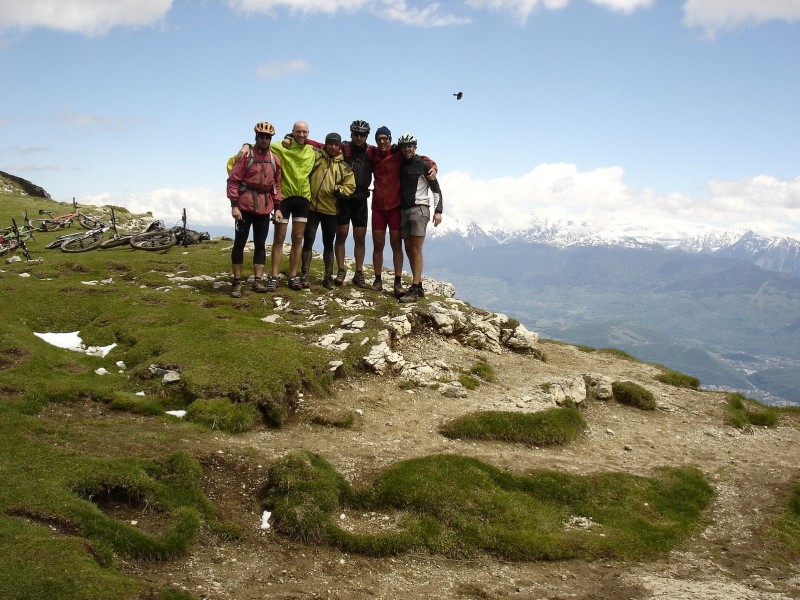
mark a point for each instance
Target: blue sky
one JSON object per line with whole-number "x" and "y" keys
{"x": 681, "y": 114}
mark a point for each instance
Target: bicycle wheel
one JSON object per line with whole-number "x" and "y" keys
{"x": 88, "y": 221}
{"x": 154, "y": 240}
{"x": 116, "y": 241}
{"x": 56, "y": 243}
{"x": 50, "y": 225}
{"x": 82, "y": 243}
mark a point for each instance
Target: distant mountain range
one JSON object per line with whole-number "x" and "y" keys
{"x": 724, "y": 307}
{"x": 781, "y": 254}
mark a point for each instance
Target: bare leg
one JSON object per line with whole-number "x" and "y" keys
{"x": 414, "y": 251}
{"x": 277, "y": 248}
{"x": 296, "y": 252}
{"x": 378, "y": 243}
{"x": 397, "y": 251}
{"x": 342, "y": 232}
{"x": 360, "y": 246}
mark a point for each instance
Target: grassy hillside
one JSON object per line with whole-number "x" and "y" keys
{"x": 106, "y": 496}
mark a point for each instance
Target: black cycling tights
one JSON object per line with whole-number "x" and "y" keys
{"x": 260, "y": 225}
{"x": 329, "y": 225}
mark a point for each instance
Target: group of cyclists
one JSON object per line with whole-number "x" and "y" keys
{"x": 327, "y": 185}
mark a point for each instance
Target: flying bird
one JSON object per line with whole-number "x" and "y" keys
{"x": 458, "y": 95}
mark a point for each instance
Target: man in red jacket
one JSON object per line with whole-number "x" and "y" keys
{"x": 386, "y": 165}
{"x": 254, "y": 189}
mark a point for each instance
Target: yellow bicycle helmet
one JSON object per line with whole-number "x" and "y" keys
{"x": 264, "y": 127}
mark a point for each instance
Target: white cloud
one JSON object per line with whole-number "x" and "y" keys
{"x": 204, "y": 207}
{"x": 90, "y": 17}
{"x": 521, "y": 9}
{"x": 602, "y": 198}
{"x": 555, "y": 192}
{"x": 624, "y": 6}
{"x": 428, "y": 15}
{"x": 304, "y": 7}
{"x": 716, "y": 15}
{"x": 278, "y": 70}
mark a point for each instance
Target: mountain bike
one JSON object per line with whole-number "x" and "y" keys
{"x": 55, "y": 223}
{"x": 81, "y": 241}
{"x": 14, "y": 242}
{"x": 167, "y": 238}
{"x": 116, "y": 239}
{"x": 25, "y": 232}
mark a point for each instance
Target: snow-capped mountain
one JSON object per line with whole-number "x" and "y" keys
{"x": 780, "y": 254}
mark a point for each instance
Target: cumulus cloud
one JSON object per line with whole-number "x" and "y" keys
{"x": 278, "y": 70}
{"x": 720, "y": 15}
{"x": 601, "y": 198}
{"x": 429, "y": 16}
{"x": 90, "y": 17}
{"x": 204, "y": 207}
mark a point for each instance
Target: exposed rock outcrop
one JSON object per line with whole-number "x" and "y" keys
{"x": 17, "y": 185}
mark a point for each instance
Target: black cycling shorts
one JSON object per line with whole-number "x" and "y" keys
{"x": 296, "y": 208}
{"x": 354, "y": 210}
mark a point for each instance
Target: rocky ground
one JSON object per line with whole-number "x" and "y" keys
{"x": 733, "y": 557}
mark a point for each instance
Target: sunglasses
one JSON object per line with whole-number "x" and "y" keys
{"x": 264, "y": 135}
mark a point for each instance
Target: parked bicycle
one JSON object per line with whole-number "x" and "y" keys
{"x": 167, "y": 238}
{"x": 124, "y": 239}
{"x": 82, "y": 241}
{"x": 55, "y": 223}
{"x": 26, "y": 231}
{"x": 14, "y": 242}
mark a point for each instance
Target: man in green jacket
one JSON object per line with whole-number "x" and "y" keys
{"x": 296, "y": 161}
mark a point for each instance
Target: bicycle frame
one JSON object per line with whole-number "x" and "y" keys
{"x": 15, "y": 243}
{"x": 59, "y": 221}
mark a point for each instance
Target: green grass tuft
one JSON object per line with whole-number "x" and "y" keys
{"x": 340, "y": 420}
{"x": 787, "y": 528}
{"x": 632, "y": 394}
{"x": 678, "y": 379}
{"x": 744, "y": 412}
{"x": 459, "y": 506}
{"x": 484, "y": 370}
{"x": 470, "y": 382}
{"x": 551, "y": 427}
{"x": 220, "y": 413}
{"x": 616, "y": 352}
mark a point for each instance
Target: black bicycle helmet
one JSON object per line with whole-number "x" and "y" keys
{"x": 359, "y": 126}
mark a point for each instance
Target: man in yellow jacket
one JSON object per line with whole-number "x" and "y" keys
{"x": 330, "y": 180}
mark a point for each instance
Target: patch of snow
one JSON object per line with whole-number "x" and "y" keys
{"x": 72, "y": 341}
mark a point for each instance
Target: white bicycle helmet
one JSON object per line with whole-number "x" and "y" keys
{"x": 407, "y": 139}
